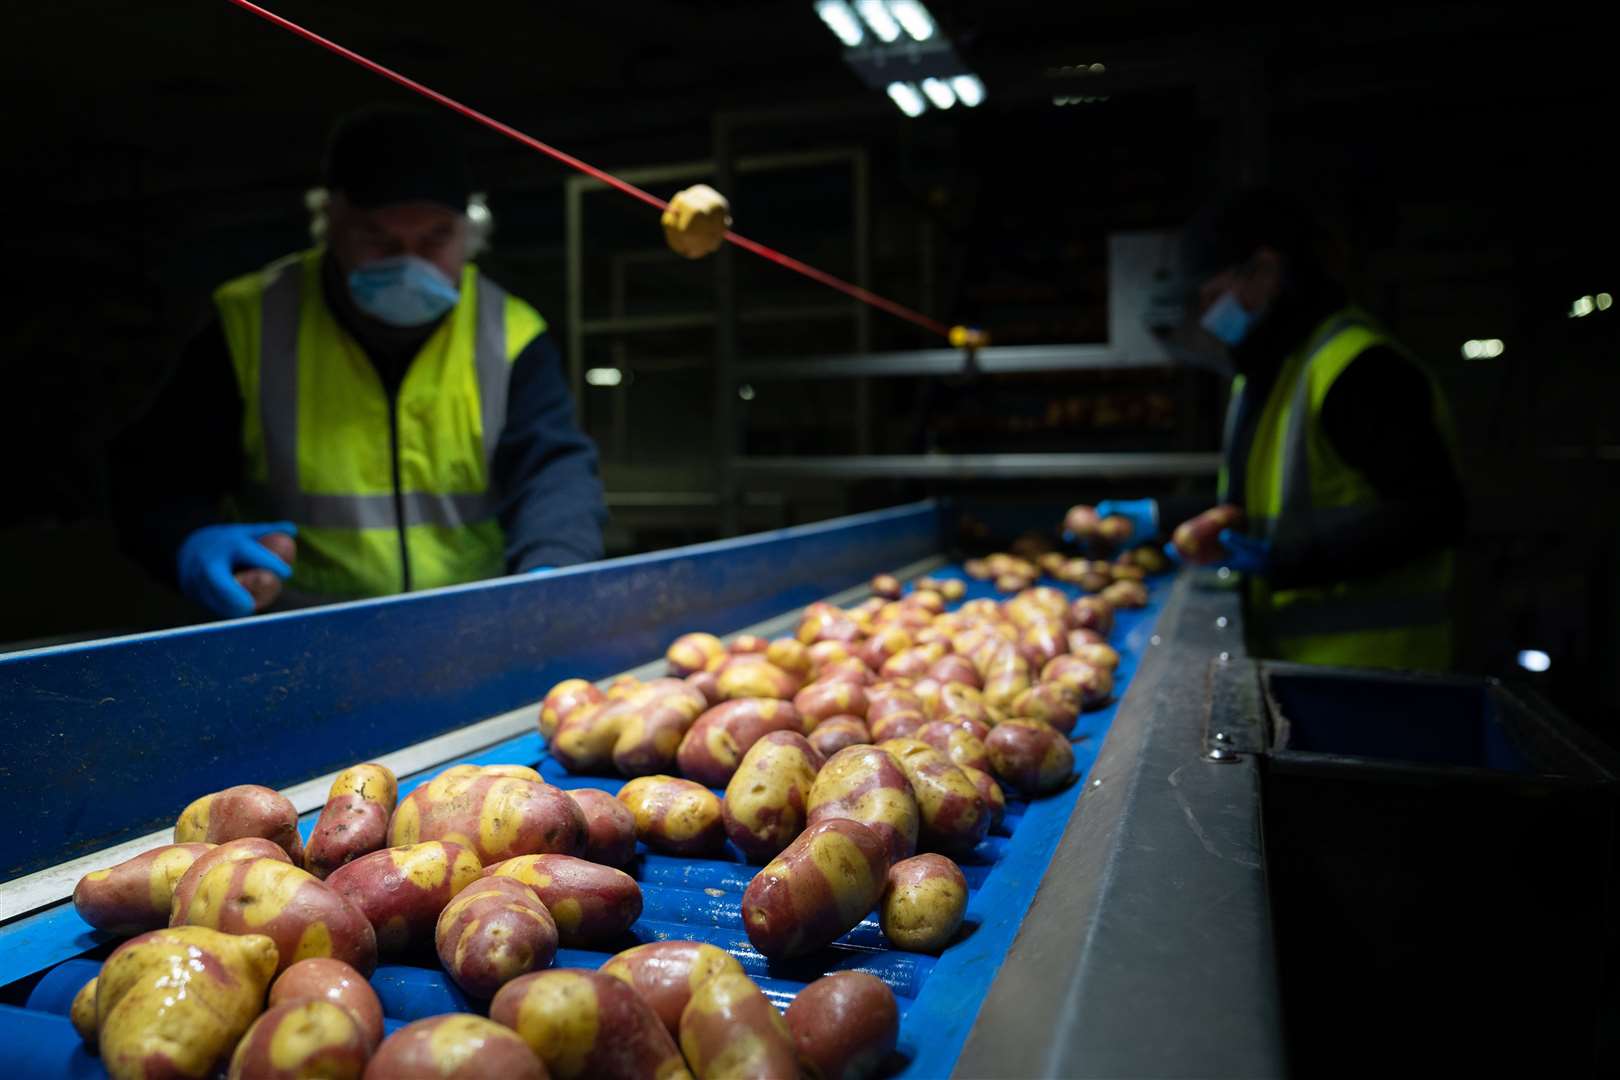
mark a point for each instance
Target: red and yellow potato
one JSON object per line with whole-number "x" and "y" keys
{"x": 301, "y": 914}
{"x": 610, "y": 828}
{"x": 1030, "y": 756}
{"x": 865, "y": 784}
{"x": 251, "y": 847}
{"x": 957, "y": 742}
{"x": 1056, "y": 704}
{"x": 563, "y": 699}
{"x": 791, "y": 655}
{"x": 593, "y": 905}
{"x": 402, "y": 890}
{"x": 767, "y": 800}
{"x": 1094, "y": 684}
{"x": 636, "y": 735}
{"x": 1198, "y": 539}
{"x": 691, "y": 653}
{"x": 674, "y": 815}
{"x": 731, "y": 1031}
{"x": 715, "y": 744}
{"x": 747, "y": 675}
{"x": 665, "y": 973}
{"x": 954, "y": 817}
{"x": 837, "y": 732}
{"x": 844, "y": 1026}
{"x": 354, "y": 821}
{"x": 82, "y": 1014}
{"x": 586, "y": 1024}
{"x": 458, "y": 1046}
{"x": 951, "y": 669}
{"x": 324, "y": 979}
{"x": 135, "y": 896}
{"x": 923, "y": 903}
{"x": 174, "y": 1002}
{"x": 989, "y": 791}
{"x": 242, "y": 811}
{"x": 302, "y": 1039}
{"x": 1126, "y": 594}
{"x": 820, "y": 700}
{"x": 493, "y": 931}
{"x": 1092, "y": 613}
{"x": 897, "y": 725}
{"x": 816, "y": 890}
{"x": 496, "y": 816}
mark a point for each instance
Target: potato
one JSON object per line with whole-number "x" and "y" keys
{"x": 897, "y": 725}
{"x": 674, "y": 815}
{"x": 262, "y": 585}
{"x": 82, "y": 1014}
{"x": 1101, "y": 656}
{"x": 958, "y": 701}
{"x": 402, "y": 890}
{"x": 1094, "y": 684}
{"x": 174, "y": 1002}
{"x": 493, "y": 931}
{"x": 459, "y": 1046}
{"x": 586, "y": 1024}
{"x": 1056, "y": 704}
{"x": 956, "y": 742}
{"x": 823, "y": 622}
{"x": 923, "y": 903}
{"x": 691, "y": 653}
{"x": 610, "y": 828}
{"x": 517, "y": 772}
{"x": 1115, "y": 529}
{"x": 1011, "y": 583}
{"x": 1040, "y": 642}
{"x": 665, "y": 973}
{"x": 1126, "y": 594}
{"x": 593, "y": 905}
{"x": 135, "y": 895}
{"x": 844, "y": 1026}
{"x": 820, "y": 700}
{"x": 750, "y": 676}
{"x": 622, "y": 687}
{"x": 816, "y": 890}
{"x": 1003, "y": 684}
{"x": 954, "y": 816}
{"x": 989, "y": 791}
{"x": 748, "y": 644}
{"x": 715, "y": 744}
{"x": 563, "y": 699}
{"x": 242, "y": 811}
{"x": 886, "y": 586}
{"x": 1092, "y": 613}
{"x": 354, "y": 821}
{"x": 837, "y": 732}
{"x": 323, "y": 979}
{"x": 1198, "y": 540}
{"x": 1080, "y": 638}
{"x": 912, "y": 663}
{"x": 730, "y": 1030}
{"x": 303, "y": 915}
{"x": 851, "y": 669}
{"x": 766, "y": 801}
{"x": 301, "y": 1039}
{"x": 823, "y": 653}
{"x": 496, "y": 816}
{"x": 865, "y": 784}
{"x": 1150, "y": 558}
{"x": 1030, "y": 756}
{"x": 791, "y": 655}
{"x": 883, "y": 700}
{"x": 252, "y": 847}
{"x": 1081, "y": 522}
{"x": 951, "y": 669}
{"x": 1126, "y": 571}
{"x": 978, "y": 569}
{"x": 637, "y": 735}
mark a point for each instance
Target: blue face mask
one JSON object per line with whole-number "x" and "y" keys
{"x": 403, "y": 290}
{"x": 1228, "y": 320}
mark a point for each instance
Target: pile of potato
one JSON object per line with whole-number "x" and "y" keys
{"x": 856, "y": 757}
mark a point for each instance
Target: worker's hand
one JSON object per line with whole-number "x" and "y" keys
{"x": 209, "y": 558}
{"x": 1244, "y": 553}
{"x": 539, "y": 570}
{"x": 1143, "y": 514}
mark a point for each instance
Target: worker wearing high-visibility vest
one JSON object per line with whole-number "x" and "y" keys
{"x": 377, "y": 396}
{"x": 1338, "y": 448}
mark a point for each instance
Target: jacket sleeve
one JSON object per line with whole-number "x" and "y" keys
{"x": 173, "y": 466}
{"x": 1379, "y": 416}
{"x": 545, "y": 472}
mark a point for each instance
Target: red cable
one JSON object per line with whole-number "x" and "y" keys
{"x": 863, "y": 295}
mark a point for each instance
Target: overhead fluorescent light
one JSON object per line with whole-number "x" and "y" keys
{"x": 1483, "y": 348}
{"x": 878, "y": 20}
{"x": 1582, "y": 307}
{"x": 969, "y": 90}
{"x": 1534, "y": 660}
{"x": 1603, "y": 301}
{"x": 908, "y": 98}
{"x": 604, "y": 376}
{"x": 841, "y": 20}
{"x": 913, "y": 17}
{"x": 939, "y": 92}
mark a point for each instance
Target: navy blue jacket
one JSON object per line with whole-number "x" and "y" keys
{"x": 178, "y": 464}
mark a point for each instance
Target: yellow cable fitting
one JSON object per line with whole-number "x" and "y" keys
{"x": 967, "y": 337}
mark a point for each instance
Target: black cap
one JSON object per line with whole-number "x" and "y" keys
{"x": 1229, "y": 229}
{"x": 388, "y": 154}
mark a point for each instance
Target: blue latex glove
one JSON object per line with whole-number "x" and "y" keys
{"x": 540, "y": 569}
{"x": 1244, "y": 553}
{"x": 1143, "y": 514}
{"x": 209, "y": 557}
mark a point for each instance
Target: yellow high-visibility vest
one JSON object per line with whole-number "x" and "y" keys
{"x": 1400, "y": 618}
{"x": 385, "y": 499}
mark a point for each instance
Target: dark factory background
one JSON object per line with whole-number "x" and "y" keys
{"x": 1461, "y": 154}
